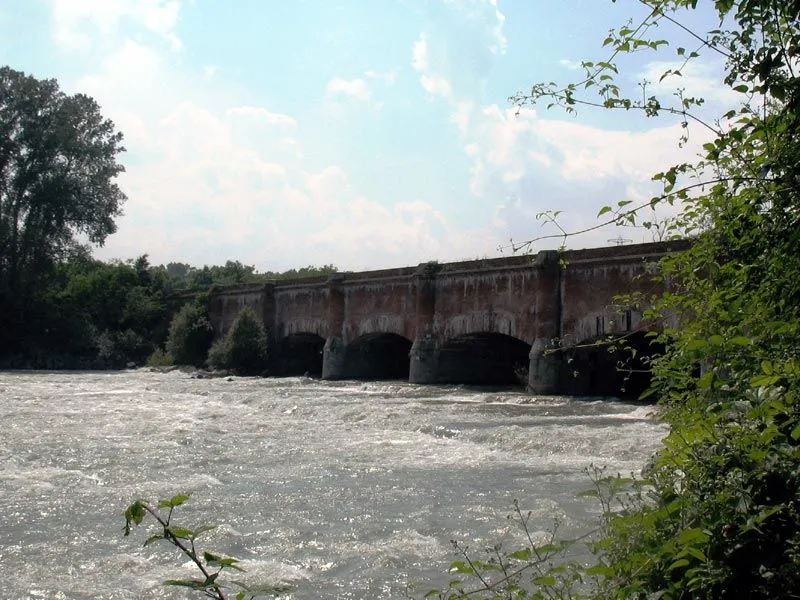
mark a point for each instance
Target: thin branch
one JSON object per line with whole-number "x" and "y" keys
{"x": 677, "y": 23}
{"x": 517, "y": 247}
{"x": 178, "y": 544}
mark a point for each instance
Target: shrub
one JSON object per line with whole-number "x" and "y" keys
{"x": 159, "y": 358}
{"x": 218, "y": 354}
{"x": 244, "y": 349}
{"x": 190, "y": 335}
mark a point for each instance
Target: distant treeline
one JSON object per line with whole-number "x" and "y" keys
{"x": 86, "y": 313}
{"x": 183, "y": 277}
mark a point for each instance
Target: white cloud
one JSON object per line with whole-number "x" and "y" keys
{"x": 212, "y": 178}
{"x": 462, "y": 116}
{"x": 485, "y": 11}
{"x": 432, "y": 83}
{"x": 455, "y": 53}
{"x": 548, "y": 164}
{"x": 70, "y": 18}
{"x": 388, "y": 77}
{"x": 419, "y": 54}
{"x": 262, "y": 115}
{"x": 572, "y": 65}
{"x": 696, "y": 79}
{"x": 355, "y": 88}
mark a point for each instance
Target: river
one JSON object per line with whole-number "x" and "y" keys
{"x": 341, "y": 489}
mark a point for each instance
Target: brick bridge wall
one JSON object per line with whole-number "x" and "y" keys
{"x": 434, "y": 315}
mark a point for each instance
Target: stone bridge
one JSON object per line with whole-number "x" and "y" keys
{"x": 476, "y": 322}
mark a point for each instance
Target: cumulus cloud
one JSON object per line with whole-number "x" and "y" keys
{"x": 535, "y": 164}
{"x": 696, "y": 79}
{"x": 526, "y": 164}
{"x": 71, "y": 18}
{"x": 486, "y": 12}
{"x": 432, "y": 83}
{"x": 388, "y": 77}
{"x": 212, "y": 177}
{"x": 260, "y": 114}
{"x": 354, "y": 88}
{"x": 455, "y": 53}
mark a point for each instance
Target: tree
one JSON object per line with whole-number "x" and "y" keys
{"x": 58, "y": 163}
{"x": 244, "y": 349}
{"x": 190, "y": 334}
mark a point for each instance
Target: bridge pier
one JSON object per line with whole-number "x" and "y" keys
{"x": 424, "y": 361}
{"x": 334, "y": 352}
{"x": 424, "y": 355}
{"x": 333, "y": 358}
{"x": 543, "y": 370}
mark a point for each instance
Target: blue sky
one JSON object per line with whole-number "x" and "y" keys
{"x": 363, "y": 133}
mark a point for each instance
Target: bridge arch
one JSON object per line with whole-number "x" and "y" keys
{"x": 595, "y": 367}
{"x": 298, "y": 353}
{"x": 483, "y": 358}
{"x": 372, "y": 356}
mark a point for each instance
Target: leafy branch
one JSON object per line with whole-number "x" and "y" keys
{"x": 210, "y": 565}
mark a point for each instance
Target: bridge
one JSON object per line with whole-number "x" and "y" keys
{"x": 493, "y": 321}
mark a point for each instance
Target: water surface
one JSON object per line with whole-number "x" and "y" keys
{"x": 343, "y": 489}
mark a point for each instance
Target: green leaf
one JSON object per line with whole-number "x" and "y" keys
{"x": 696, "y": 553}
{"x": 740, "y": 340}
{"x": 178, "y": 499}
{"x": 134, "y": 514}
{"x": 696, "y": 344}
{"x": 741, "y": 88}
{"x": 194, "y": 584}
{"x": 795, "y": 433}
{"x": 524, "y": 554}
{"x": 692, "y": 535}
{"x": 181, "y": 532}
{"x": 604, "y": 210}
{"x": 587, "y": 494}
{"x": 222, "y": 561}
{"x": 600, "y": 571}
{"x": 174, "y": 501}
{"x": 460, "y": 566}
{"x": 681, "y": 562}
{"x": 545, "y": 580}
{"x": 764, "y": 380}
{"x": 706, "y": 380}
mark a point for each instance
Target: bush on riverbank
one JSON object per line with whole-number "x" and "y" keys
{"x": 190, "y": 334}
{"x": 244, "y": 349}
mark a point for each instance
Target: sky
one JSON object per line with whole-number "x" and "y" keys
{"x": 359, "y": 133}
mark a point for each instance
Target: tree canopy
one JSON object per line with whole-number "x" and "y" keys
{"x": 58, "y": 165}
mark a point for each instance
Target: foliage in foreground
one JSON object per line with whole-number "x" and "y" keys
{"x": 213, "y": 567}
{"x": 244, "y": 348}
{"x": 717, "y": 513}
